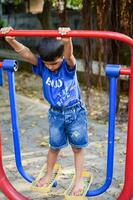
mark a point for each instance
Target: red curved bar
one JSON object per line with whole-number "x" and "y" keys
{"x": 1, "y": 63}
{"x": 127, "y": 192}
{"x": 73, "y": 33}
{"x": 125, "y": 71}
{"x": 5, "y": 186}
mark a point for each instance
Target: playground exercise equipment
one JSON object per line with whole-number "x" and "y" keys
{"x": 10, "y": 66}
{"x": 113, "y": 72}
{"x": 5, "y": 185}
{"x": 55, "y": 174}
{"x": 87, "y": 180}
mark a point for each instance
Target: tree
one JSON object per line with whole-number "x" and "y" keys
{"x": 61, "y": 10}
{"x": 110, "y": 15}
{"x": 44, "y": 17}
{"x": 87, "y": 43}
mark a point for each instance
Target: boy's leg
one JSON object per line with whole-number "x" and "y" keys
{"x": 57, "y": 140}
{"x": 51, "y": 160}
{"x": 79, "y": 162}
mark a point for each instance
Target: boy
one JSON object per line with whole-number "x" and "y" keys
{"x": 56, "y": 66}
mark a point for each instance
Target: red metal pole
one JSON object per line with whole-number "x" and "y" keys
{"x": 125, "y": 71}
{"x": 73, "y": 33}
{"x": 127, "y": 192}
{"x": 1, "y": 63}
{"x": 5, "y": 186}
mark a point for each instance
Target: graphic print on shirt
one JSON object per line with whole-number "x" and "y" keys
{"x": 62, "y": 95}
{"x": 54, "y": 83}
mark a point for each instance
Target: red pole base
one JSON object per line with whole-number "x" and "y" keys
{"x": 5, "y": 186}
{"x": 127, "y": 192}
{"x": 9, "y": 191}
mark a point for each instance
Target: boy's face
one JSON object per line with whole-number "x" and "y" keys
{"x": 53, "y": 65}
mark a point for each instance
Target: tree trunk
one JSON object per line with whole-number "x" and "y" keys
{"x": 62, "y": 13}
{"x": 44, "y": 17}
{"x": 115, "y": 44}
{"x": 0, "y": 9}
{"x": 87, "y": 45}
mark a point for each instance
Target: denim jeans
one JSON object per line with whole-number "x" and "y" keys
{"x": 68, "y": 125}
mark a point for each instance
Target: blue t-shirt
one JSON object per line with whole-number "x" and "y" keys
{"x": 60, "y": 88}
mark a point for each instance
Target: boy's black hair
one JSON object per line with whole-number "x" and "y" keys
{"x": 50, "y": 49}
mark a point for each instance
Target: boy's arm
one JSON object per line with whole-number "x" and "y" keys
{"x": 68, "y": 52}
{"x": 22, "y": 50}
{"x": 68, "y": 46}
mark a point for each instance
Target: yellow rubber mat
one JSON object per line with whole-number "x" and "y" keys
{"x": 55, "y": 174}
{"x": 87, "y": 180}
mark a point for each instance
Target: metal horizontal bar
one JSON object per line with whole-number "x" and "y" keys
{"x": 73, "y": 33}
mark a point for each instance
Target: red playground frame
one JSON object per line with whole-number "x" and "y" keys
{"x": 127, "y": 191}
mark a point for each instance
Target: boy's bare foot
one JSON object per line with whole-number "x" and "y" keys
{"x": 78, "y": 188}
{"x": 44, "y": 181}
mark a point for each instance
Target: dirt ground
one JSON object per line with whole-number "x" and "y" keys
{"x": 32, "y": 110}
